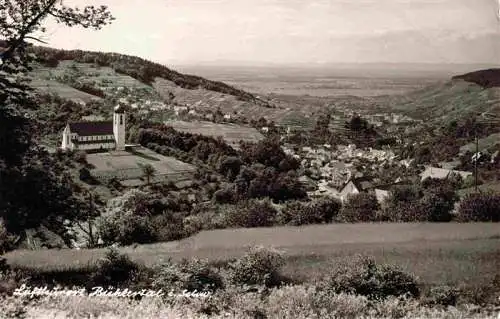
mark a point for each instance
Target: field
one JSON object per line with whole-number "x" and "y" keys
{"x": 104, "y": 76}
{"x": 127, "y": 165}
{"x": 231, "y": 133}
{"x": 63, "y": 90}
{"x": 321, "y": 82}
{"x": 434, "y": 252}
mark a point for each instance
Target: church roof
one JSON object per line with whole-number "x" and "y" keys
{"x": 92, "y": 128}
{"x": 77, "y": 142}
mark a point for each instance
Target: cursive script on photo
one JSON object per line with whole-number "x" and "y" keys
{"x": 102, "y": 292}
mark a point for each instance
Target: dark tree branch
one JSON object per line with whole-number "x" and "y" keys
{"x": 33, "y": 38}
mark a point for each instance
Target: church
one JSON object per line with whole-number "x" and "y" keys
{"x": 96, "y": 136}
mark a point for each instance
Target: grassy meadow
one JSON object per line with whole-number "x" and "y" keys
{"x": 436, "y": 253}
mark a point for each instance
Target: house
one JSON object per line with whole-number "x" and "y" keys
{"x": 96, "y": 135}
{"x": 355, "y": 186}
{"x": 442, "y": 173}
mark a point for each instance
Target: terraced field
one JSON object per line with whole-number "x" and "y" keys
{"x": 231, "y": 133}
{"x": 63, "y": 90}
{"x": 103, "y": 75}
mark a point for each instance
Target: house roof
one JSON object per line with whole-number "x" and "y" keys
{"x": 441, "y": 173}
{"x": 92, "y": 128}
{"x": 435, "y": 172}
{"x": 361, "y": 184}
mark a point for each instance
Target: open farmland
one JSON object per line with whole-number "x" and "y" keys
{"x": 63, "y": 90}
{"x": 127, "y": 166}
{"x": 104, "y": 76}
{"x": 435, "y": 252}
{"x": 201, "y": 99}
{"x": 231, "y": 133}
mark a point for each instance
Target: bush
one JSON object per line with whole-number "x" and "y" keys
{"x": 254, "y": 213}
{"x": 360, "y": 207}
{"x": 224, "y": 196}
{"x": 86, "y": 177}
{"x": 327, "y": 208}
{"x": 483, "y": 293}
{"x": 297, "y": 213}
{"x": 6, "y": 239}
{"x": 442, "y": 295}
{"x": 114, "y": 270}
{"x": 362, "y": 276}
{"x": 438, "y": 199}
{"x": 260, "y": 266}
{"x": 168, "y": 227}
{"x": 479, "y": 207}
{"x": 191, "y": 275}
{"x": 126, "y": 228}
{"x": 80, "y": 157}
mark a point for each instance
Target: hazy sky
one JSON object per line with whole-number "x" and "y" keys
{"x": 294, "y": 31}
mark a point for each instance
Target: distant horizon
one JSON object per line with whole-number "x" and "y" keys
{"x": 288, "y": 32}
{"x": 370, "y": 69}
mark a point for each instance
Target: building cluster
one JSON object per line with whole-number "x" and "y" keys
{"x": 336, "y": 172}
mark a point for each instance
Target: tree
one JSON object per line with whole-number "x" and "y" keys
{"x": 148, "y": 171}
{"x": 34, "y": 189}
{"x": 360, "y": 207}
{"x": 477, "y": 207}
{"x": 22, "y": 18}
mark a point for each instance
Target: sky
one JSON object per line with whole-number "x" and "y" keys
{"x": 293, "y": 31}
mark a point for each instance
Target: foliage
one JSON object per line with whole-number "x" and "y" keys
{"x": 191, "y": 275}
{"x": 126, "y": 228}
{"x": 252, "y": 213}
{"x": 141, "y": 69}
{"x": 268, "y": 152}
{"x": 362, "y": 276}
{"x": 114, "y": 270}
{"x": 148, "y": 171}
{"x": 260, "y": 266}
{"x": 442, "y": 295}
{"x": 431, "y": 201}
{"x": 170, "y": 226}
{"x": 478, "y": 207}
{"x": 34, "y": 189}
{"x": 39, "y": 192}
{"x": 327, "y": 208}
{"x": 297, "y": 213}
{"x": 360, "y": 207}
{"x": 6, "y": 240}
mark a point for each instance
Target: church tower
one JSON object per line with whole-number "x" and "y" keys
{"x": 119, "y": 127}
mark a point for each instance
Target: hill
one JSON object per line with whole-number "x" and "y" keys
{"x": 143, "y": 70}
{"x": 485, "y": 78}
{"x": 443, "y": 102}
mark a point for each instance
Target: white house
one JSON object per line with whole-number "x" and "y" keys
{"x": 97, "y": 135}
{"x": 441, "y": 173}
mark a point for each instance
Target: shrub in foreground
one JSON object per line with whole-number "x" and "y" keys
{"x": 442, "y": 295}
{"x": 114, "y": 270}
{"x": 362, "y": 276}
{"x": 191, "y": 275}
{"x": 260, "y": 266}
